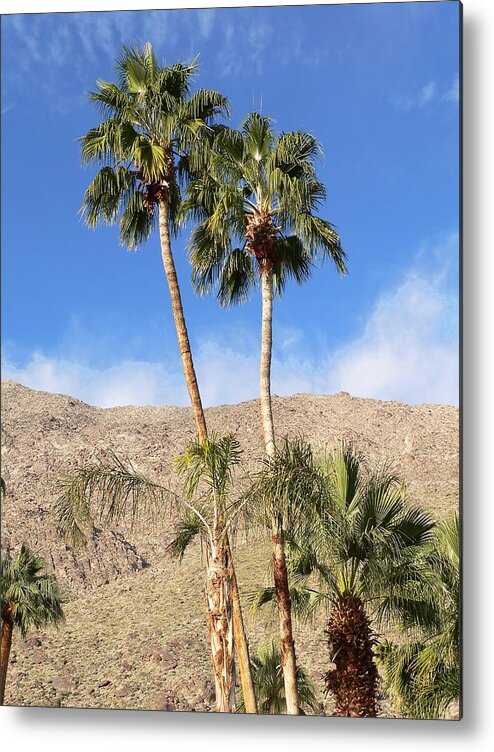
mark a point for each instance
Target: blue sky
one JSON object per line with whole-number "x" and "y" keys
{"x": 377, "y": 84}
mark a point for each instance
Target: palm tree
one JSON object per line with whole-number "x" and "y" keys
{"x": 423, "y": 675}
{"x": 112, "y": 491}
{"x": 356, "y": 547}
{"x": 208, "y": 468}
{"x": 256, "y": 204}
{"x": 29, "y": 600}
{"x": 270, "y": 688}
{"x": 153, "y": 135}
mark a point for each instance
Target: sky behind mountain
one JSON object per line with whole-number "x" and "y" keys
{"x": 377, "y": 84}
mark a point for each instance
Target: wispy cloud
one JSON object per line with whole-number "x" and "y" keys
{"x": 453, "y": 93}
{"x": 407, "y": 350}
{"x": 52, "y": 52}
{"x": 421, "y": 98}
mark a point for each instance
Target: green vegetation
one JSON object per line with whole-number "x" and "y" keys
{"x": 29, "y": 600}
{"x": 270, "y": 688}
{"x": 354, "y": 546}
{"x": 423, "y": 675}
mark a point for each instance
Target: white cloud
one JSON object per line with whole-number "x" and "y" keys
{"x": 206, "y": 18}
{"x": 128, "y": 383}
{"x": 427, "y": 94}
{"x": 424, "y": 96}
{"x": 407, "y": 351}
{"x": 453, "y": 93}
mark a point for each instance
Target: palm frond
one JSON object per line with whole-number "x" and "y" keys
{"x": 189, "y": 527}
{"x": 31, "y": 596}
{"x": 269, "y": 686}
{"x": 237, "y": 278}
{"x": 108, "y": 492}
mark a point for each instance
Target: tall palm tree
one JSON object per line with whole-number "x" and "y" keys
{"x": 30, "y": 599}
{"x": 112, "y": 491}
{"x": 256, "y": 204}
{"x": 153, "y": 135}
{"x": 423, "y": 675}
{"x": 356, "y": 547}
{"x": 270, "y": 688}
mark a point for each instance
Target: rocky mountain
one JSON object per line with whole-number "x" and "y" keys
{"x": 117, "y": 584}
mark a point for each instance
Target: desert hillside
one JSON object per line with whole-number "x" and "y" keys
{"x": 135, "y": 634}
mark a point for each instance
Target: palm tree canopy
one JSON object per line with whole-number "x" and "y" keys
{"x": 115, "y": 489}
{"x": 208, "y": 469}
{"x": 269, "y": 687}
{"x": 423, "y": 676}
{"x": 149, "y": 139}
{"x": 355, "y": 535}
{"x": 29, "y": 598}
{"x": 256, "y": 204}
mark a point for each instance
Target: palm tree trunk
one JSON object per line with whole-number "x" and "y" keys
{"x": 6, "y": 644}
{"x": 179, "y": 319}
{"x": 241, "y": 644}
{"x": 265, "y": 370}
{"x": 287, "y": 643}
{"x": 195, "y": 398}
{"x": 353, "y": 680}
{"x": 220, "y": 616}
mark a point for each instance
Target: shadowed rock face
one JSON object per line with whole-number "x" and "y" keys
{"x": 46, "y": 435}
{"x": 135, "y": 631}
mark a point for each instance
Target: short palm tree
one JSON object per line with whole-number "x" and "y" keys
{"x": 257, "y": 205}
{"x": 208, "y": 468}
{"x": 30, "y": 599}
{"x": 356, "y": 548}
{"x": 423, "y": 675}
{"x": 112, "y": 491}
{"x": 154, "y": 134}
{"x": 270, "y": 688}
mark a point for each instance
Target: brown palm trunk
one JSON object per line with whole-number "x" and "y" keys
{"x": 241, "y": 644}
{"x": 354, "y": 678}
{"x": 195, "y": 398}
{"x": 287, "y": 643}
{"x": 6, "y": 644}
{"x": 220, "y": 616}
{"x": 179, "y": 319}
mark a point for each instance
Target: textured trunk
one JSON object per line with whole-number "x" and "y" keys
{"x": 195, "y": 398}
{"x": 241, "y": 645}
{"x": 353, "y": 680}
{"x": 6, "y": 644}
{"x": 287, "y": 644}
{"x": 220, "y": 615}
{"x": 265, "y": 371}
{"x": 178, "y": 317}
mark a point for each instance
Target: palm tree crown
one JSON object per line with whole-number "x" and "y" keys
{"x": 356, "y": 546}
{"x": 146, "y": 143}
{"x": 30, "y": 599}
{"x": 257, "y": 205}
{"x": 268, "y": 683}
{"x": 423, "y": 676}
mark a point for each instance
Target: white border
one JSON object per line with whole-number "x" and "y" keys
{"x": 62, "y": 730}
